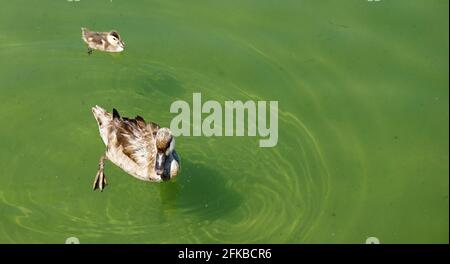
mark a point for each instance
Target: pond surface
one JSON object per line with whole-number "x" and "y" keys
{"x": 362, "y": 90}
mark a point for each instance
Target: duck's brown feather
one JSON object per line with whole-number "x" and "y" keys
{"x": 130, "y": 143}
{"x": 95, "y": 37}
{"x": 136, "y": 139}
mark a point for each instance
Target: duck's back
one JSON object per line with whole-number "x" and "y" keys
{"x": 132, "y": 147}
{"x": 135, "y": 140}
{"x": 93, "y": 39}
{"x": 130, "y": 142}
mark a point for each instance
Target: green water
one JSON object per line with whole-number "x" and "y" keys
{"x": 363, "y": 121}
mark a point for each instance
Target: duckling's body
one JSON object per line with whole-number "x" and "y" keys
{"x": 103, "y": 41}
{"x": 143, "y": 150}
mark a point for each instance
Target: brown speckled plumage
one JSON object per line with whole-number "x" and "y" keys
{"x": 131, "y": 143}
{"x": 104, "y": 41}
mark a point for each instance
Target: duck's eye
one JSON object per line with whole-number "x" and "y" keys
{"x": 114, "y": 34}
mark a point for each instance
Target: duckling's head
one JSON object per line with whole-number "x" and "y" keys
{"x": 114, "y": 39}
{"x": 165, "y": 145}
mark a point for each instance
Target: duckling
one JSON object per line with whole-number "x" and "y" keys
{"x": 143, "y": 150}
{"x": 104, "y": 41}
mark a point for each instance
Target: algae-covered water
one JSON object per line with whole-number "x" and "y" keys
{"x": 362, "y": 91}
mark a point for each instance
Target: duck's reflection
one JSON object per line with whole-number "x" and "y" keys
{"x": 199, "y": 190}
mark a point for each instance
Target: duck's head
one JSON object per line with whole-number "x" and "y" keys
{"x": 114, "y": 39}
{"x": 166, "y": 164}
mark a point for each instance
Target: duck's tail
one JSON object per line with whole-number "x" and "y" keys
{"x": 104, "y": 122}
{"x": 103, "y": 118}
{"x": 84, "y": 33}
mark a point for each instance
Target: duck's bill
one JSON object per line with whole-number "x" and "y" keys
{"x": 160, "y": 160}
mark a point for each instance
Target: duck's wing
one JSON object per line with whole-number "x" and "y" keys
{"x": 94, "y": 37}
{"x": 153, "y": 127}
{"x": 150, "y": 127}
{"x": 135, "y": 138}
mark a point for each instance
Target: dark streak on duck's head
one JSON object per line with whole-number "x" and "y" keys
{"x": 165, "y": 145}
{"x": 115, "y": 39}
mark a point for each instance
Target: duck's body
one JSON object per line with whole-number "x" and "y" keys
{"x": 143, "y": 150}
{"x": 103, "y": 41}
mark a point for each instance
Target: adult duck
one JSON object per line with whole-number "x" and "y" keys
{"x": 143, "y": 150}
